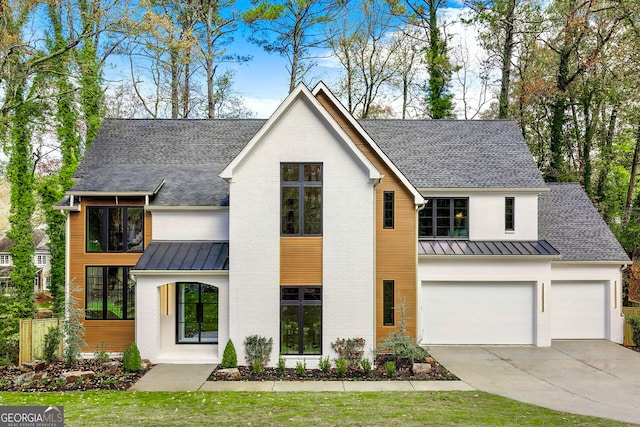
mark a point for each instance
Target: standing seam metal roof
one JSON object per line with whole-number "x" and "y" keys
{"x": 185, "y": 255}
{"x": 466, "y": 247}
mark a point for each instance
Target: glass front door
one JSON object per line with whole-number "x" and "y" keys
{"x": 197, "y": 313}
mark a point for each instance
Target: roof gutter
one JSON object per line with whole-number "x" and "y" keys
{"x": 440, "y": 190}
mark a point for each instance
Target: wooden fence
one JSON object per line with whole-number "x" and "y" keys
{"x": 32, "y": 332}
{"x": 628, "y": 332}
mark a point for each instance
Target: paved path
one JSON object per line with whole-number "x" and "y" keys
{"x": 173, "y": 377}
{"x": 589, "y": 377}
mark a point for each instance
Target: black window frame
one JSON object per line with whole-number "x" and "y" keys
{"x": 430, "y": 211}
{"x": 128, "y": 294}
{"x": 388, "y": 302}
{"x": 388, "y": 208}
{"x": 509, "y": 214}
{"x": 199, "y": 314}
{"x": 301, "y": 302}
{"x": 106, "y": 232}
{"x": 301, "y": 184}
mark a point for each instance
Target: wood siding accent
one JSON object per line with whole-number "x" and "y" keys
{"x": 396, "y": 249}
{"x": 116, "y": 334}
{"x": 300, "y": 260}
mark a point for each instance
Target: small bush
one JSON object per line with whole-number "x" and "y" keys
{"x": 365, "y": 364}
{"x": 634, "y": 321}
{"x": 229, "y": 356}
{"x": 131, "y": 361}
{"x": 256, "y": 367}
{"x": 390, "y": 368}
{"x": 258, "y": 349}
{"x": 301, "y": 367}
{"x": 341, "y": 367}
{"x": 51, "y": 344}
{"x": 282, "y": 364}
{"x": 349, "y": 349}
{"x": 101, "y": 354}
{"x": 325, "y": 364}
{"x": 399, "y": 344}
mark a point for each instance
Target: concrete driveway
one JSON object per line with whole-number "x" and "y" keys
{"x": 589, "y": 377}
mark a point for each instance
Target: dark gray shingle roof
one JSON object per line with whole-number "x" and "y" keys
{"x": 136, "y": 155}
{"x": 465, "y": 247}
{"x": 185, "y": 255}
{"x": 457, "y": 153}
{"x": 568, "y": 220}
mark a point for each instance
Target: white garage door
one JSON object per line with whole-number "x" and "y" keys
{"x": 478, "y": 312}
{"x": 578, "y": 310}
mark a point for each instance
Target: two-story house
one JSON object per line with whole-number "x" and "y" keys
{"x": 312, "y": 226}
{"x": 41, "y": 260}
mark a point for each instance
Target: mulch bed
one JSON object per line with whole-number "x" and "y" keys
{"x": 49, "y": 377}
{"x": 404, "y": 372}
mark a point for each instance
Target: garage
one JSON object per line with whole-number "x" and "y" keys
{"x": 478, "y": 312}
{"x": 578, "y": 309}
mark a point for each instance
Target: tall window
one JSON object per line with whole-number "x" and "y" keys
{"x": 387, "y": 209}
{"x": 444, "y": 218}
{"x": 300, "y": 320}
{"x": 301, "y": 199}
{"x": 388, "y": 308}
{"x": 197, "y": 319}
{"x": 110, "y": 294}
{"x": 115, "y": 229}
{"x": 509, "y": 214}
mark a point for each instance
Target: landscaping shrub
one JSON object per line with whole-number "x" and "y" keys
{"x": 256, "y": 367}
{"x": 365, "y": 364}
{"x": 341, "y": 367}
{"x": 634, "y": 321}
{"x": 390, "y": 368}
{"x": 400, "y": 345}
{"x": 131, "y": 361}
{"x": 325, "y": 364}
{"x": 229, "y": 356}
{"x": 258, "y": 348}
{"x": 301, "y": 367}
{"x": 101, "y": 354}
{"x": 51, "y": 344}
{"x": 349, "y": 349}
{"x": 282, "y": 364}
{"x": 73, "y": 327}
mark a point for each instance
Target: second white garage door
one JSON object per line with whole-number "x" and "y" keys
{"x": 478, "y": 312}
{"x": 578, "y": 310}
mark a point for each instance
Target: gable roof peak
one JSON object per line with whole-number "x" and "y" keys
{"x": 299, "y": 92}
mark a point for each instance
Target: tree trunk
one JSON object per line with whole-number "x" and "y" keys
{"x": 605, "y": 154}
{"x": 175, "y": 92}
{"x": 507, "y": 53}
{"x": 632, "y": 179}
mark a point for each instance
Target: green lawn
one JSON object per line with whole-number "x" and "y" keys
{"x": 100, "y": 408}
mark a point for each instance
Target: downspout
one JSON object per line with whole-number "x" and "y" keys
{"x": 376, "y": 183}
{"x": 419, "y": 207}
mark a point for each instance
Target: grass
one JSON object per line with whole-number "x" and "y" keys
{"x": 107, "y": 408}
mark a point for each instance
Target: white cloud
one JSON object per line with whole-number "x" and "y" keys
{"x": 263, "y": 107}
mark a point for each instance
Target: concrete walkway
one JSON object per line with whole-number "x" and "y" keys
{"x": 588, "y": 377}
{"x": 170, "y": 377}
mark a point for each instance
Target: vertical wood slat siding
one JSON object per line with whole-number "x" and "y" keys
{"x": 301, "y": 260}
{"x": 396, "y": 256}
{"x": 117, "y": 335}
{"x": 628, "y": 330}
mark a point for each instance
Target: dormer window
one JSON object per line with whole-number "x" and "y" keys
{"x": 444, "y": 218}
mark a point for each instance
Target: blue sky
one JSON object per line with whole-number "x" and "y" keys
{"x": 263, "y": 81}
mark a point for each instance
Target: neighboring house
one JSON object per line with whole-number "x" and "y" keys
{"x": 312, "y": 226}
{"x": 41, "y": 260}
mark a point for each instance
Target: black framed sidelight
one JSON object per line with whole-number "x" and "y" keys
{"x": 196, "y": 314}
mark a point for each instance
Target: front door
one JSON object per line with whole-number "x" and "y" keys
{"x": 197, "y": 320}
